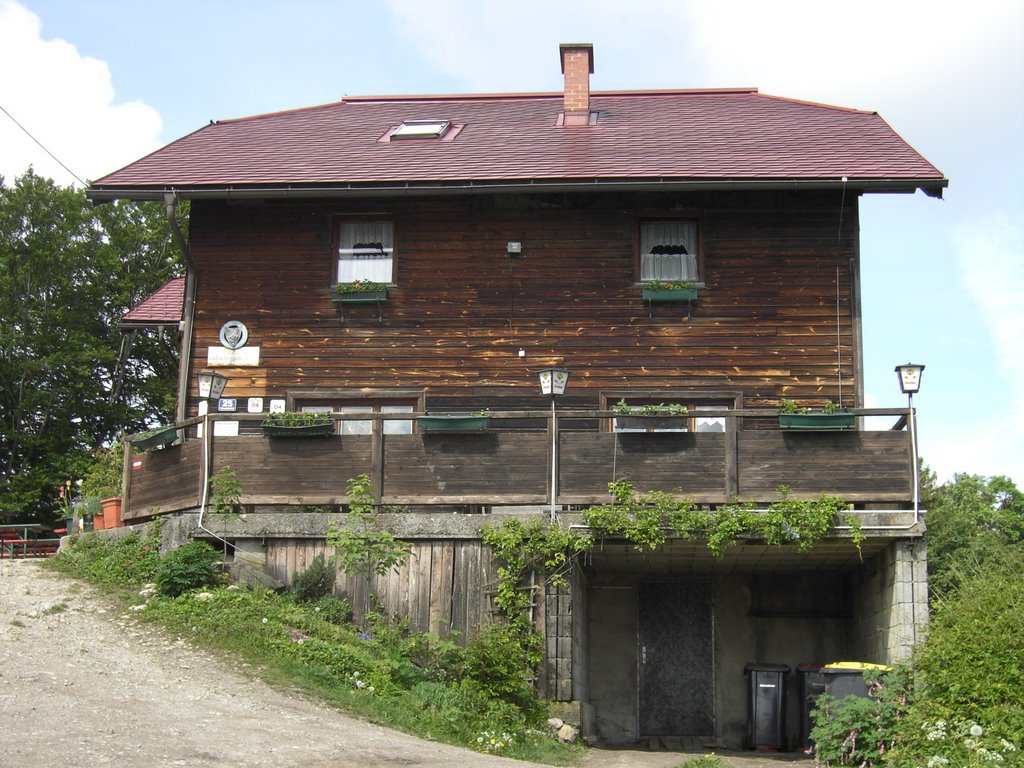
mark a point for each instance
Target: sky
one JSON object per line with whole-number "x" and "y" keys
{"x": 100, "y": 83}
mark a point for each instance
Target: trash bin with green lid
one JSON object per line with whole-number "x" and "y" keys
{"x": 766, "y": 706}
{"x": 846, "y": 678}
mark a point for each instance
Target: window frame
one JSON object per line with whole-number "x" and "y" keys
{"x": 336, "y": 245}
{"x": 693, "y": 399}
{"x": 644, "y": 218}
{"x": 375, "y": 399}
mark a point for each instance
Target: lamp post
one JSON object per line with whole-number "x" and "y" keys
{"x": 552, "y": 382}
{"x": 910, "y": 384}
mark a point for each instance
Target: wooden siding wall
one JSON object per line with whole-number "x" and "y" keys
{"x": 765, "y": 325}
{"x": 164, "y": 481}
{"x": 444, "y": 587}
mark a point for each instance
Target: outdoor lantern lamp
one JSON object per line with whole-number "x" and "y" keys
{"x": 910, "y": 385}
{"x": 910, "y": 378}
{"x": 552, "y": 382}
{"x": 211, "y": 384}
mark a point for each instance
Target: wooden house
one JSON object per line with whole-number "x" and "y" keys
{"x": 385, "y": 258}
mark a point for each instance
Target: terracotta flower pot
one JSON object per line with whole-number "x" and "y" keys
{"x": 111, "y": 513}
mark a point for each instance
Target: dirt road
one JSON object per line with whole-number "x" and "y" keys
{"x": 83, "y": 684}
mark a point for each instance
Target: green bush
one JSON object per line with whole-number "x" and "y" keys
{"x": 314, "y": 582}
{"x": 856, "y": 730}
{"x": 501, "y": 662}
{"x": 190, "y": 566}
{"x": 971, "y": 670}
{"x": 125, "y": 561}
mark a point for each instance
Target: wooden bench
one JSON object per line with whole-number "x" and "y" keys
{"x": 20, "y": 548}
{"x": 16, "y": 541}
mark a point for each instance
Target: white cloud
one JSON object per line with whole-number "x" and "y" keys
{"x": 66, "y": 101}
{"x": 992, "y": 259}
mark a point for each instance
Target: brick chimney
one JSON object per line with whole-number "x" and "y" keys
{"x": 577, "y": 66}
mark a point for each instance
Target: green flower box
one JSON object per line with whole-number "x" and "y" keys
{"x": 302, "y": 430}
{"x": 669, "y": 294}
{"x": 651, "y": 421}
{"x": 821, "y": 421}
{"x": 357, "y": 297}
{"x": 467, "y": 423}
{"x": 156, "y": 438}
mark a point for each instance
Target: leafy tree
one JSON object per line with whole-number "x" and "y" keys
{"x": 970, "y": 519}
{"x": 68, "y": 271}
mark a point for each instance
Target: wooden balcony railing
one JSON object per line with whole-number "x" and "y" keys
{"x": 510, "y": 463}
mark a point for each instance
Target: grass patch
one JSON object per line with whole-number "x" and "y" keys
{"x": 382, "y": 670}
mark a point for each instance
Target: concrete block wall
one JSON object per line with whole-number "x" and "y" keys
{"x": 890, "y": 602}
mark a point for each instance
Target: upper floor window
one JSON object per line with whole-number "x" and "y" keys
{"x": 366, "y": 251}
{"x": 668, "y": 250}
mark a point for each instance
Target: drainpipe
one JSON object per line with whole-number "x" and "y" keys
{"x": 185, "y": 364}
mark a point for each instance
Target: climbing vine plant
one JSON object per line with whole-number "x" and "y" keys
{"x": 525, "y": 548}
{"x": 647, "y": 519}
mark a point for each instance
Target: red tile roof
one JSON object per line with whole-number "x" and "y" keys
{"x": 679, "y": 137}
{"x": 162, "y": 307}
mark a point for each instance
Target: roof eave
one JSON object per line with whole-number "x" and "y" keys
{"x": 101, "y": 194}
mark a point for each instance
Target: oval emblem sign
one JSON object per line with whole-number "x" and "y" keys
{"x": 234, "y": 334}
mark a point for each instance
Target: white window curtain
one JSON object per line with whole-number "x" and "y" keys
{"x": 365, "y": 251}
{"x": 662, "y": 246}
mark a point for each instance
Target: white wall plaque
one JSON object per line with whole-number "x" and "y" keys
{"x": 227, "y": 404}
{"x": 255, "y": 405}
{"x": 225, "y": 428}
{"x": 277, "y": 406}
{"x": 233, "y": 357}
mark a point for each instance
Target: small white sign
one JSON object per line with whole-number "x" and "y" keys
{"x": 229, "y": 404}
{"x": 255, "y": 405}
{"x": 277, "y": 406}
{"x": 225, "y": 428}
{"x": 236, "y": 358}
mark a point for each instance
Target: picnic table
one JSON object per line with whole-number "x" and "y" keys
{"x": 23, "y": 540}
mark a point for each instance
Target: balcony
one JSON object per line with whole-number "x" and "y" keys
{"x": 510, "y": 464}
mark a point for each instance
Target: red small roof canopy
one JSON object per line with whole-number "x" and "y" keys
{"x": 165, "y": 306}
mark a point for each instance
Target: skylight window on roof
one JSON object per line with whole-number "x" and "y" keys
{"x": 421, "y": 129}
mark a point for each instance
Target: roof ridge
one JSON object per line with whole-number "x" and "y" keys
{"x": 540, "y": 95}
{"x": 822, "y": 104}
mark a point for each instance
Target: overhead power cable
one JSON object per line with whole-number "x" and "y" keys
{"x": 41, "y": 145}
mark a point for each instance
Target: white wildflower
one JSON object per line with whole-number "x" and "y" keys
{"x": 937, "y": 761}
{"x": 977, "y": 730}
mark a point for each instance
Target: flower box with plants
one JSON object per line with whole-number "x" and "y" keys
{"x": 359, "y": 291}
{"x": 831, "y": 418}
{"x": 293, "y": 424}
{"x": 661, "y": 416}
{"x": 656, "y": 290}
{"x": 454, "y": 422}
{"x": 155, "y": 438}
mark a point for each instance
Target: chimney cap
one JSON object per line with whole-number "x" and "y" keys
{"x": 588, "y": 47}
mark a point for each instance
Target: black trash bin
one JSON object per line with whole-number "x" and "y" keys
{"x": 846, "y": 678}
{"x": 812, "y": 682}
{"x": 766, "y": 706}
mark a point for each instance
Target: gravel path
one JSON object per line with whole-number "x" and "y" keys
{"x": 83, "y": 684}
